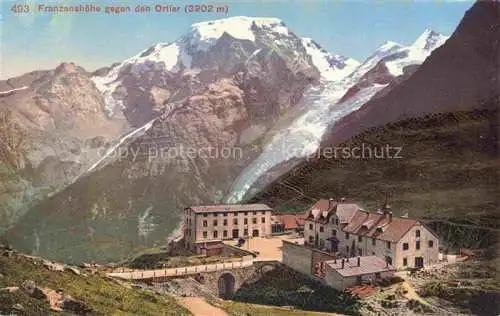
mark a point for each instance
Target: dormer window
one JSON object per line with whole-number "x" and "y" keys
{"x": 417, "y": 233}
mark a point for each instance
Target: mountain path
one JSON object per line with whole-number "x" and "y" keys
{"x": 199, "y": 307}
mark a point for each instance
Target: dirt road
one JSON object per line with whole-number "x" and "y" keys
{"x": 199, "y": 307}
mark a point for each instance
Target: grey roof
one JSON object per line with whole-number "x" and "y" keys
{"x": 229, "y": 208}
{"x": 368, "y": 265}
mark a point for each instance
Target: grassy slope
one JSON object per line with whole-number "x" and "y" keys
{"x": 448, "y": 171}
{"x": 103, "y": 296}
{"x": 245, "y": 309}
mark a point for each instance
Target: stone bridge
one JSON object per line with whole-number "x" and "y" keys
{"x": 222, "y": 279}
{"x": 225, "y": 283}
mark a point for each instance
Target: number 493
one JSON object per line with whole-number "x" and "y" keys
{"x": 20, "y": 8}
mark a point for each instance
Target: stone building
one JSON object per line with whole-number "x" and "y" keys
{"x": 206, "y": 226}
{"x": 347, "y": 230}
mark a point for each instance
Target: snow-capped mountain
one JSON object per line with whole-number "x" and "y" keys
{"x": 392, "y": 60}
{"x": 331, "y": 66}
{"x": 211, "y": 49}
{"x": 430, "y": 40}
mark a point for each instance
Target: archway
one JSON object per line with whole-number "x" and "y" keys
{"x": 226, "y": 285}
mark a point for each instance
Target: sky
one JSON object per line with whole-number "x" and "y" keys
{"x": 37, "y": 40}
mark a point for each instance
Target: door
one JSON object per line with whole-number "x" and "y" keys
{"x": 419, "y": 262}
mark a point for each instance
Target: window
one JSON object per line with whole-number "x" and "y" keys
{"x": 215, "y": 222}
{"x": 235, "y": 221}
{"x": 216, "y": 234}
{"x": 205, "y": 234}
{"x": 225, "y": 214}
{"x": 215, "y": 214}
{"x": 245, "y": 221}
{"x": 246, "y": 213}
{"x": 417, "y": 245}
{"x": 321, "y": 229}
{"x": 205, "y": 214}
{"x": 405, "y": 246}
{"x": 311, "y": 239}
{"x": 347, "y": 250}
{"x": 373, "y": 253}
{"x": 224, "y": 222}
{"x": 377, "y": 275}
{"x": 374, "y": 241}
{"x": 360, "y": 252}
{"x": 254, "y": 213}
{"x": 360, "y": 238}
{"x": 431, "y": 243}
{"x": 405, "y": 262}
{"x": 263, "y": 212}
{"x": 321, "y": 243}
{"x": 263, "y": 220}
{"x": 205, "y": 223}
{"x": 254, "y": 220}
{"x": 224, "y": 233}
{"x": 417, "y": 233}
{"x": 334, "y": 232}
{"x": 388, "y": 245}
{"x": 245, "y": 232}
{"x": 336, "y": 221}
{"x": 346, "y": 235}
{"x": 310, "y": 226}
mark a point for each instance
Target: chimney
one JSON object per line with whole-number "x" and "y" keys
{"x": 390, "y": 216}
{"x": 359, "y": 261}
{"x": 342, "y": 267}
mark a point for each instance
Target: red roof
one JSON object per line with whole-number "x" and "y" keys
{"x": 291, "y": 221}
{"x": 379, "y": 226}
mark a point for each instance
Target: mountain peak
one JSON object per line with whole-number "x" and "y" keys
{"x": 331, "y": 66}
{"x": 429, "y": 40}
{"x": 239, "y": 27}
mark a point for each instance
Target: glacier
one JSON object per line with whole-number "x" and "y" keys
{"x": 303, "y": 135}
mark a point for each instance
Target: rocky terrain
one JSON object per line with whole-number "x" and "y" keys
{"x": 52, "y": 125}
{"x": 36, "y": 286}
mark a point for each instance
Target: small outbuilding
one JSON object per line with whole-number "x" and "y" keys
{"x": 343, "y": 273}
